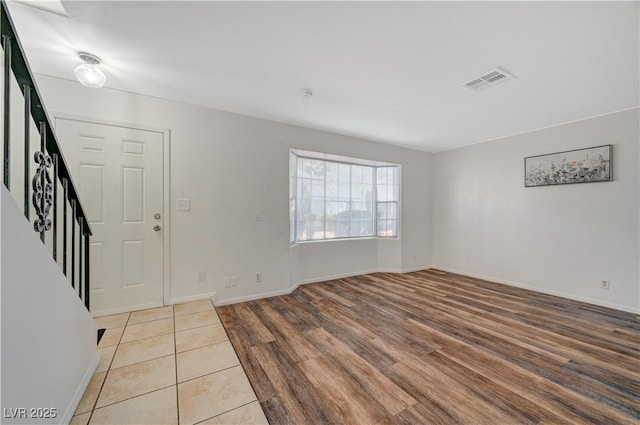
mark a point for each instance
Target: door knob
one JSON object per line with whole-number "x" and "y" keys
{"x": 156, "y": 216}
{"x": 157, "y": 228}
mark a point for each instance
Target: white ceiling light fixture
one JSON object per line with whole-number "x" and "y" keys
{"x": 88, "y": 72}
{"x": 306, "y": 93}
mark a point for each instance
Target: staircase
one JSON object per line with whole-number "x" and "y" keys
{"x": 34, "y": 169}
{"x": 48, "y": 337}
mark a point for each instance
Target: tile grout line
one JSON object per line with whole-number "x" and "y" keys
{"x": 175, "y": 353}
{"x": 206, "y": 345}
{"x": 227, "y": 411}
{"x": 213, "y": 373}
{"x": 195, "y": 312}
{"x": 152, "y": 336}
{"x": 153, "y": 308}
{"x": 255, "y": 393}
{"x": 143, "y": 361}
{"x": 143, "y": 339}
{"x": 165, "y": 355}
{"x": 239, "y": 364}
{"x": 152, "y": 320}
{"x": 109, "y": 369}
{"x": 135, "y": 396}
{"x": 199, "y": 326}
{"x": 147, "y": 337}
{"x": 106, "y": 375}
{"x": 167, "y": 333}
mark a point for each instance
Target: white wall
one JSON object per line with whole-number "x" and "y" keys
{"x": 48, "y": 337}
{"x": 231, "y": 167}
{"x": 556, "y": 239}
{"x": 561, "y": 240}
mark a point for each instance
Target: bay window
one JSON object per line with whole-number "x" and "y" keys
{"x": 334, "y": 197}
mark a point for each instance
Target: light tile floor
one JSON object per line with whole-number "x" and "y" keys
{"x": 168, "y": 365}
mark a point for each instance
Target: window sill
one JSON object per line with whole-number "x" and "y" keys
{"x": 394, "y": 238}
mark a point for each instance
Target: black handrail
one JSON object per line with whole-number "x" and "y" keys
{"x": 44, "y": 188}
{"x": 24, "y": 77}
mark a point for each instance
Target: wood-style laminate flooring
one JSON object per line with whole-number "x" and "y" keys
{"x": 431, "y": 347}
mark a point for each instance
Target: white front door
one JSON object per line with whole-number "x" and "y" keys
{"x": 118, "y": 172}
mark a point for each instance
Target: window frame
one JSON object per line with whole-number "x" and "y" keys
{"x": 296, "y": 155}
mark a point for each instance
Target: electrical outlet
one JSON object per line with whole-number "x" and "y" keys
{"x": 202, "y": 276}
{"x": 605, "y": 284}
{"x": 258, "y": 277}
{"x": 227, "y": 282}
{"x": 234, "y": 280}
{"x": 184, "y": 204}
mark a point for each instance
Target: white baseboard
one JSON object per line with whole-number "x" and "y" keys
{"x": 360, "y": 273}
{"x": 206, "y": 296}
{"x": 127, "y": 309}
{"x": 405, "y": 270}
{"x": 73, "y": 404}
{"x": 287, "y": 291}
{"x": 179, "y": 300}
{"x": 295, "y": 286}
{"x": 543, "y": 290}
{"x": 331, "y": 277}
{"x": 253, "y": 297}
{"x": 292, "y": 288}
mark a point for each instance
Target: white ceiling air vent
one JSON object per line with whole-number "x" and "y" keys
{"x": 489, "y": 79}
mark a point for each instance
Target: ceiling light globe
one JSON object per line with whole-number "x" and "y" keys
{"x": 90, "y": 75}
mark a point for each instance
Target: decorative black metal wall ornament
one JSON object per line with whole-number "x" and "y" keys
{"x": 42, "y": 192}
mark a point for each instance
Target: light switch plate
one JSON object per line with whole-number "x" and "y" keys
{"x": 184, "y": 204}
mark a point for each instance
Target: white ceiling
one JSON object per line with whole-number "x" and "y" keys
{"x": 385, "y": 71}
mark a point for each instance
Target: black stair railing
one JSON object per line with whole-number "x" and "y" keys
{"x": 45, "y": 170}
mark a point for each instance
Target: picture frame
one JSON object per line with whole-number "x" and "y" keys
{"x": 586, "y": 165}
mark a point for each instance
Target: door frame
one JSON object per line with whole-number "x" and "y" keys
{"x": 166, "y": 185}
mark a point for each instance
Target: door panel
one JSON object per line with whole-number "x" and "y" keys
{"x": 118, "y": 172}
{"x": 91, "y": 182}
{"x": 133, "y": 263}
{"x": 133, "y": 195}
